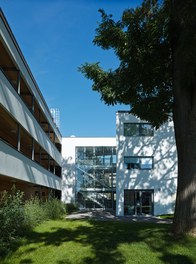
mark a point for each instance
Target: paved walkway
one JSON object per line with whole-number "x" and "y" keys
{"x": 103, "y": 215}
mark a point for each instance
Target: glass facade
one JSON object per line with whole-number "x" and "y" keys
{"x": 96, "y": 177}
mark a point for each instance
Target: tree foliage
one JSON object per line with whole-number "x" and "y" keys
{"x": 142, "y": 44}
{"x": 156, "y": 47}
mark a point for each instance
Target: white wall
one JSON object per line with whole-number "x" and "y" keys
{"x": 162, "y": 178}
{"x": 68, "y": 170}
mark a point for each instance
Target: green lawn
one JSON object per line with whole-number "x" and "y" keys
{"x": 93, "y": 242}
{"x": 167, "y": 216}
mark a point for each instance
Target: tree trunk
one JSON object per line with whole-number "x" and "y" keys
{"x": 184, "y": 84}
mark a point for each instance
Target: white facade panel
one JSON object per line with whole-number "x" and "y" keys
{"x": 162, "y": 178}
{"x": 12, "y": 102}
{"x": 14, "y": 164}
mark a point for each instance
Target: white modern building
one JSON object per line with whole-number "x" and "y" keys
{"x": 134, "y": 173}
{"x": 146, "y": 173}
{"x": 89, "y": 172}
{"x": 30, "y": 142}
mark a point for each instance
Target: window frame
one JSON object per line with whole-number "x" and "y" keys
{"x": 139, "y": 134}
{"x": 132, "y": 165}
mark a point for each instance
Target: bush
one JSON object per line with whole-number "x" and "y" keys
{"x": 11, "y": 214}
{"x": 34, "y": 213}
{"x": 37, "y": 212}
{"x": 17, "y": 217}
{"x": 70, "y": 208}
{"x": 54, "y": 209}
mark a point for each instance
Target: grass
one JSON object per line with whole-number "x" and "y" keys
{"x": 96, "y": 242}
{"x": 167, "y": 216}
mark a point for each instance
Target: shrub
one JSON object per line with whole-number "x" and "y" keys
{"x": 54, "y": 209}
{"x": 34, "y": 213}
{"x": 11, "y": 214}
{"x": 17, "y": 216}
{"x": 70, "y": 208}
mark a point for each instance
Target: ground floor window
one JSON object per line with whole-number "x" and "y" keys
{"x": 96, "y": 199}
{"x": 138, "y": 202}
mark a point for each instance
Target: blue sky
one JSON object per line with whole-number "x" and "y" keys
{"x": 56, "y": 37}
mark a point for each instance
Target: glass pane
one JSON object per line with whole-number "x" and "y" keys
{"x": 146, "y": 163}
{"x": 79, "y": 154}
{"x": 146, "y": 130}
{"x": 131, "y": 129}
{"x": 98, "y": 151}
{"x": 98, "y": 160}
{"x": 146, "y": 200}
{"x": 131, "y": 160}
{"x": 89, "y": 152}
{"x": 143, "y": 163}
{"x": 129, "y": 202}
{"x": 108, "y": 160}
{"x": 114, "y": 159}
{"x": 107, "y": 151}
{"x": 114, "y": 151}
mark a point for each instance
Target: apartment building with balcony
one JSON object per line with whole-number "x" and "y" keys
{"x": 146, "y": 169}
{"x": 30, "y": 142}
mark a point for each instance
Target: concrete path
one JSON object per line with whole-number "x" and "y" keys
{"x": 102, "y": 215}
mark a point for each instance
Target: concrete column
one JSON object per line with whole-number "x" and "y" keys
{"x": 18, "y": 84}
{"x": 33, "y": 104}
{"x": 18, "y": 144}
{"x": 33, "y": 149}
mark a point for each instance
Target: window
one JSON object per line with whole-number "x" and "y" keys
{"x": 138, "y": 202}
{"x": 141, "y": 163}
{"x": 103, "y": 156}
{"x": 138, "y": 129}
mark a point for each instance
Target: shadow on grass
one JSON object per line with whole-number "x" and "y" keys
{"x": 105, "y": 238}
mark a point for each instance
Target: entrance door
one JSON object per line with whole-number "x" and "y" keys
{"x": 138, "y": 202}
